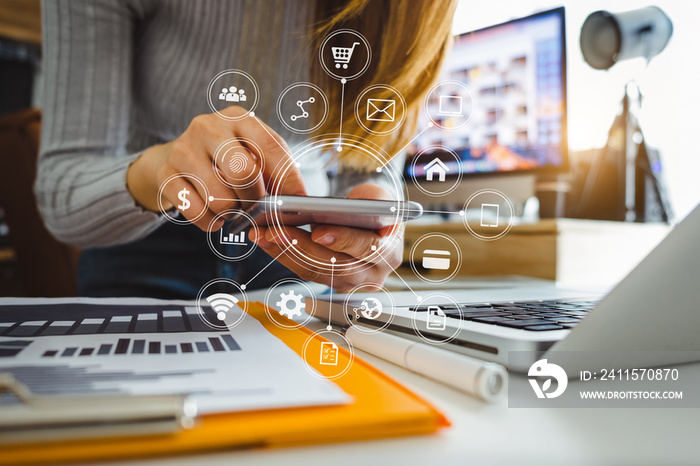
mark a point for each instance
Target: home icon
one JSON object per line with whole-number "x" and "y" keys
{"x": 436, "y": 166}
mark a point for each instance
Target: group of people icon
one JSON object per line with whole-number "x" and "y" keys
{"x": 233, "y": 95}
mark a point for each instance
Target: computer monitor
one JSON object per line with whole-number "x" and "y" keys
{"x": 516, "y": 72}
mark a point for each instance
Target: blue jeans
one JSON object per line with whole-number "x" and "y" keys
{"x": 173, "y": 262}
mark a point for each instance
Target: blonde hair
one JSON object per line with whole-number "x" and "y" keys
{"x": 409, "y": 40}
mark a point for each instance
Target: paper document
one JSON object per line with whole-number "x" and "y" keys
{"x": 90, "y": 346}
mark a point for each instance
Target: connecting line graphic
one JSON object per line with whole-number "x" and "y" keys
{"x": 342, "y": 103}
{"x": 418, "y": 298}
{"x": 268, "y": 132}
{"x": 430, "y": 125}
{"x": 212, "y": 199}
{"x": 245, "y": 285}
{"x": 330, "y": 327}
{"x": 452, "y": 212}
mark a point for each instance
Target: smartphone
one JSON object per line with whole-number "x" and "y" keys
{"x": 368, "y": 214}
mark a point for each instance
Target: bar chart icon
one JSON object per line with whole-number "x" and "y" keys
{"x": 230, "y": 238}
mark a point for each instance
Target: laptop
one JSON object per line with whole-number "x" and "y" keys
{"x": 655, "y": 308}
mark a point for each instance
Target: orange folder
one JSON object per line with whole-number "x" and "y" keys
{"x": 380, "y": 408}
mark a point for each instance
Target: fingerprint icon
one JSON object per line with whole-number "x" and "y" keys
{"x": 238, "y": 162}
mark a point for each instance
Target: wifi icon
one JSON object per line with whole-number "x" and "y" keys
{"x": 222, "y": 303}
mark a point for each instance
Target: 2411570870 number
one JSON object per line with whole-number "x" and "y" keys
{"x": 636, "y": 374}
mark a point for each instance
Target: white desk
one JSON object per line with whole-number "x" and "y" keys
{"x": 495, "y": 434}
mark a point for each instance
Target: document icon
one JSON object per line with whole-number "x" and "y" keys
{"x": 329, "y": 354}
{"x": 381, "y": 110}
{"x": 436, "y": 318}
{"x": 489, "y": 210}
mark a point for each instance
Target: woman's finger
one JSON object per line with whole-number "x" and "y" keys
{"x": 365, "y": 245}
{"x": 372, "y": 275}
{"x": 241, "y": 170}
{"x": 280, "y": 173}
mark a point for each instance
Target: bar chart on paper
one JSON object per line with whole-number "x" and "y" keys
{"x": 75, "y": 348}
{"x": 166, "y": 320}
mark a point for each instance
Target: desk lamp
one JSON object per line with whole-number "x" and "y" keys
{"x": 631, "y": 188}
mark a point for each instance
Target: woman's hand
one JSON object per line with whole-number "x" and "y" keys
{"x": 193, "y": 152}
{"x": 343, "y": 243}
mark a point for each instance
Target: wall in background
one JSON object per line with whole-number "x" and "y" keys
{"x": 670, "y": 115}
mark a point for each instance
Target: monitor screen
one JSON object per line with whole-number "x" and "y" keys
{"x": 516, "y": 73}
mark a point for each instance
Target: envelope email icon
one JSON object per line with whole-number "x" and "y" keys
{"x": 381, "y": 109}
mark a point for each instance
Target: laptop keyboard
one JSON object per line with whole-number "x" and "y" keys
{"x": 535, "y": 316}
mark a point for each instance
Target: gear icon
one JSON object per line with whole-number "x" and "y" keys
{"x": 290, "y": 304}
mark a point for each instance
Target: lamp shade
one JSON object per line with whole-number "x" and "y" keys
{"x": 607, "y": 38}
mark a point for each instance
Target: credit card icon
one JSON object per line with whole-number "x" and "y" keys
{"x": 436, "y": 259}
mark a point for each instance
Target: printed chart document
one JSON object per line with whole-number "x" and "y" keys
{"x": 130, "y": 346}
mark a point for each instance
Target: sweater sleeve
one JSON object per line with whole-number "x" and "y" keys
{"x": 81, "y": 181}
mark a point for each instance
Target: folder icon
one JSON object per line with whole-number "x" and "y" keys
{"x": 381, "y": 109}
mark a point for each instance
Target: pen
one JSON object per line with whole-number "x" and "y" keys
{"x": 485, "y": 380}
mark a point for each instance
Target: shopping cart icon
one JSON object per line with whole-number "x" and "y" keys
{"x": 342, "y": 55}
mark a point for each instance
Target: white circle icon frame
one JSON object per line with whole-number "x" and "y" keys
{"x": 329, "y": 70}
{"x": 397, "y": 124}
{"x": 455, "y": 267}
{"x": 451, "y": 187}
{"x": 507, "y": 202}
{"x": 280, "y": 100}
{"x": 315, "y": 336}
{"x": 271, "y": 310}
{"x": 165, "y": 212}
{"x": 364, "y": 328}
{"x": 200, "y": 310}
{"x": 428, "y": 98}
{"x": 250, "y": 111}
{"x": 220, "y": 216}
{"x": 221, "y": 153}
{"x": 425, "y": 303}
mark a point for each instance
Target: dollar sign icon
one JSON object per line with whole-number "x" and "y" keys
{"x": 182, "y": 195}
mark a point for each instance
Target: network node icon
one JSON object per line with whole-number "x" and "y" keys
{"x": 304, "y": 113}
{"x": 371, "y": 308}
{"x": 222, "y": 303}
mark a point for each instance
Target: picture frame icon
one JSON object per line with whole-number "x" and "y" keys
{"x": 436, "y": 319}
{"x": 381, "y": 110}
